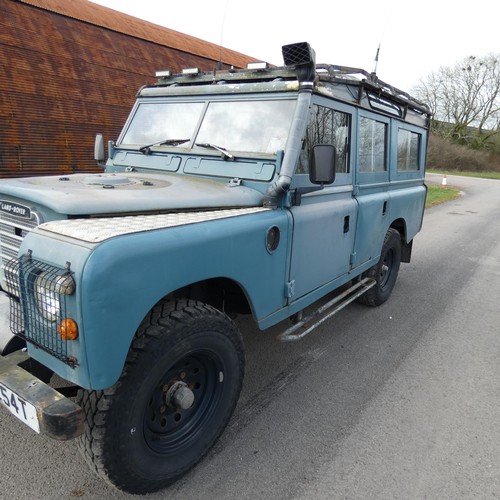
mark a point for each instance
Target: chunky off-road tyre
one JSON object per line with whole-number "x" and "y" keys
{"x": 385, "y": 272}
{"x": 179, "y": 387}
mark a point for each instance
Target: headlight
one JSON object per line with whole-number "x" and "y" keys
{"x": 48, "y": 290}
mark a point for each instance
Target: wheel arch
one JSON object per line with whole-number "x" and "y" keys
{"x": 225, "y": 294}
{"x": 406, "y": 246}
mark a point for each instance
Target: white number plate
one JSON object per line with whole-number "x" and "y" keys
{"x": 20, "y": 408}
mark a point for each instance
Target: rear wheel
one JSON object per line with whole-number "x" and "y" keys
{"x": 180, "y": 385}
{"x": 385, "y": 272}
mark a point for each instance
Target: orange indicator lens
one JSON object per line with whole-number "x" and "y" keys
{"x": 68, "y": 329}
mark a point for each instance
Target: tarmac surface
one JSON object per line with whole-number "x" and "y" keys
{"x": 396, "y": 402}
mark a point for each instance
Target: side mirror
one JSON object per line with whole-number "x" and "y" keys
{"x": 322, "y": 164}
{"x": 99, "y": 154}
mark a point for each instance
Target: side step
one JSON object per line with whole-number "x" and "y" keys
{"x": 304, "y": 327}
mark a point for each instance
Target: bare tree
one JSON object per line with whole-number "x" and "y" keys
{"x": 465, "y": 99}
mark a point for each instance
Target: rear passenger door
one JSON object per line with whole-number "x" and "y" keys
{"x": 372, "y": 185}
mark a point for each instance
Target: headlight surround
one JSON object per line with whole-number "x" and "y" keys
{"x": 48, "y": 290}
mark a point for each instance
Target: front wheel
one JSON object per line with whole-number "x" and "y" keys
{"x": 181, "y": 382}
{"x": 385, "y": 272}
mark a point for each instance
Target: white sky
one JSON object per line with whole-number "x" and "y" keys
{"x": 416, "y": 36}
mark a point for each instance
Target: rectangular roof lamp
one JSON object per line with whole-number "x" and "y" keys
{"x": 257, "y": 65}
{"x": 190, "y": 71}
{"x": 163, "y": 74}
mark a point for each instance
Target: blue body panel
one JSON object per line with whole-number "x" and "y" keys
{"x": 121, "y": 281}
{"x": 323, "y": 239}
{"x": 121, "y": 278}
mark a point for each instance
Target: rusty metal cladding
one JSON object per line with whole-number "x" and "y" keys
{"x": 70, "y": 70}
{"x": 99, "y": 15}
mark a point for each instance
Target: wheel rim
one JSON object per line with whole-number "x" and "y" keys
{"x": 168, "y": 429}
{"x": 386, "y": 269}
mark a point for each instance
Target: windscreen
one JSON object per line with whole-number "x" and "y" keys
{"x": 257, "y": 126}
{"x": 156, "y": 122}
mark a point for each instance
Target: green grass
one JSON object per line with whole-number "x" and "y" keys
{"x": 438, "y": 194}
{"x": 484, "y": 175}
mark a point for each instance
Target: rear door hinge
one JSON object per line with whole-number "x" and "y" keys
{"x": 352, "y": 259}
{"x": 290, "y": 289}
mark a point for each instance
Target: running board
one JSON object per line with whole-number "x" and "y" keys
{"x": 301, "y": 329}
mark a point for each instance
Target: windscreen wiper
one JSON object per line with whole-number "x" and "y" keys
{"x": 223, "y": 152}
{"x": 168, "y": 142}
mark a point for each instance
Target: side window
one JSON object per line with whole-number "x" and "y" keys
{"x": 408, "y": 150}
{"x": 372, "y": 154}
{"x": 327, "y": 126}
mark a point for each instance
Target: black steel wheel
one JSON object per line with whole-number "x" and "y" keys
{"x": 170, "y": 423}
{"x": 385, "y": 272}
{"x": 178, "y": 390}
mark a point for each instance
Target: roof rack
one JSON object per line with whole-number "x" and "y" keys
{"x": 385, "y": 96}
{"x": 334, "y": 73}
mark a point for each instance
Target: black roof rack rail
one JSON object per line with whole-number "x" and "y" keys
{"x": 332, "y": 73}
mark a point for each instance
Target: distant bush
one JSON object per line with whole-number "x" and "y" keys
{"x": 493, "y": 143}
{"x": 446, "y": 155}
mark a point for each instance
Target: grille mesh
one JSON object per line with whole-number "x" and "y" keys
{"x": 296, "y": 53}
{"x": 12, "y": 231}
{"x": 38, "y": 311}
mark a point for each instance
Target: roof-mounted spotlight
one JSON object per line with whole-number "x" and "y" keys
{"x": 163, "y": 74}
{"x": 257, "y": 65}
{"x": 190, "y": 71}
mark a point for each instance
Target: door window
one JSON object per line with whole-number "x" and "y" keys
{"x": 327, "y": 126}
{"x": 372, "y": 154}
{"x": 408, "y": 149}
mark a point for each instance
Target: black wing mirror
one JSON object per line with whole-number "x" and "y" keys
{"x": 322, "y": 164}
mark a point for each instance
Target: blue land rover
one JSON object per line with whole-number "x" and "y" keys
{"x": 254, "y": 191}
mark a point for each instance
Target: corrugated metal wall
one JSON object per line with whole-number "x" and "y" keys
{"x": 62, "y": 81}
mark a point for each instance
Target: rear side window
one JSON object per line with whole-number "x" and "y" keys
{"x": 408, "y": 150}
{"x": 372, "y": 153}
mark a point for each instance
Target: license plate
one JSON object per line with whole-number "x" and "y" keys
{"x": 20, "y": 408}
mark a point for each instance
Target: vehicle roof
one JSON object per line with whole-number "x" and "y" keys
{"x": 351, "y": 85}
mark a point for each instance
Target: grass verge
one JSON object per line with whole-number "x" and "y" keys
{"x": 484, "y": 175}
{"x": 438, "y": 194}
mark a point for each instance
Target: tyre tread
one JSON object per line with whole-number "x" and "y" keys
{"x": 372, "y": 296}
{"x": 96, "y": 404}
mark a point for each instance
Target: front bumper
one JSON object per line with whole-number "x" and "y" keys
{"x": 57, "y": 416}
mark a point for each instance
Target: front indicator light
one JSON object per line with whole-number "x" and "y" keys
{"x": 68, "y": 329}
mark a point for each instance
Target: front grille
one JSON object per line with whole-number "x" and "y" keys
{"x": 38, "y": 311}
{"x": 12, "y": 231}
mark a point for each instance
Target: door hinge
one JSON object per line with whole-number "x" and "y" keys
{"x": 290, "y": 289}
{"x": 352, "y": 259}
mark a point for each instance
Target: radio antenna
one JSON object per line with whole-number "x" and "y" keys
{"x": 376, "y": 60}
{"x": 382, "y": 36}
{"x": 219, "y": 64}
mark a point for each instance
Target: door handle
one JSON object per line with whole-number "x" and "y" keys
{"x": 346, "y": 224}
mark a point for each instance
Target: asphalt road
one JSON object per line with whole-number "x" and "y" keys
{"x": 396, "y": 402}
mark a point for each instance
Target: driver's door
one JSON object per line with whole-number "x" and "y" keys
{"x": 324, "y": 222}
